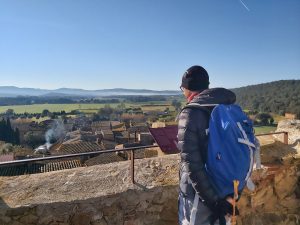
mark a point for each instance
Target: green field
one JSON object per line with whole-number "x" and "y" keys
{"x": 86, "y": 108}
{"x": 264, "y": 129}
{"x": 38, "y": 108}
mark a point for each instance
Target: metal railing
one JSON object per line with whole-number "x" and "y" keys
{"x": 95, "y": 153}
{"x": 131, "y": 149}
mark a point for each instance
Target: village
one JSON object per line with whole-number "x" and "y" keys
{"x": 69, "y": 133}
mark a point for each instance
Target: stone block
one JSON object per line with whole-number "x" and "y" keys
{"x": 97, "y": 216}
{"x": 29, "y": 219}
{"x": 285, "y": 183}
{"x": 46, "y": 219}
{"x": 155, "y": 208}
{"x": 16, "y": 223}
{"x": 5, "y": 219}
{"x": 16, "y": 211}
{"x": 262, "y": 196}
{"x": 99, "y": 222}
{"x": 290, "y": 203}
{"x": 81, "y": 219}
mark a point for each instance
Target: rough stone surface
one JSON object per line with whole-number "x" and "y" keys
{"x": 293, "y": 129}
{"x": 104, "y": 195}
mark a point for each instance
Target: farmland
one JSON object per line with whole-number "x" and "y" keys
{"x": 85, "y": 108}
{"x": 264, "y": 129}
{"x": 90, "y": 108}
{"x": 38, "y": 108}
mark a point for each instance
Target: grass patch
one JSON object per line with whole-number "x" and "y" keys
{"x": 38, "y": 108}
{"x": 85, "y": 108}
{"x": 264, "y": 129}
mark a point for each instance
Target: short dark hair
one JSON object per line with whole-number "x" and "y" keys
{"x": 195, "y": 79}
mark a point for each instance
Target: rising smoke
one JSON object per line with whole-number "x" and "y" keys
{"x": 56, "y": 132}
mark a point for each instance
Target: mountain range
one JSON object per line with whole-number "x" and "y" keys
{"x": 277, "y": 96}
{"x": 12, "y": 91}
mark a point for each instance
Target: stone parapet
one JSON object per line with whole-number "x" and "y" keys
{"x": 104, "y": 195}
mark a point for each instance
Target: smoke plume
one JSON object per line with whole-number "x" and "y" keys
{"x": 56, "y": 132}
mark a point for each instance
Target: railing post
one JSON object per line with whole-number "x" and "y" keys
{"x": 132, "y": 165}
{"x": 285, "y": 138}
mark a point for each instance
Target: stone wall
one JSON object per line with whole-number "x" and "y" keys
{"x": 155, "y": 206}
{"x": 104, "y": 195}
{"x": 293, "y": 129}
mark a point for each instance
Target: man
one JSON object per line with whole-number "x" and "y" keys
{"x": 192, "y": 143}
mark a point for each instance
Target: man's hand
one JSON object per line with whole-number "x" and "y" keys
{"x": 222, "y": 208}
{"x": 230, "y": 200}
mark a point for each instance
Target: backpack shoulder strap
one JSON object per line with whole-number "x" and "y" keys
{"x": 203, "y": 107}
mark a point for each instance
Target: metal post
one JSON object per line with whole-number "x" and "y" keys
{"x": 285, "y": 138}
{"x": 132, "y": 165}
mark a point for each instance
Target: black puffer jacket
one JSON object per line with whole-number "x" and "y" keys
{"x": 192, "y": 143}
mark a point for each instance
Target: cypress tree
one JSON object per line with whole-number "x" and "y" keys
{"x": 17, "y": 136}
{"x": 10, "y": 132}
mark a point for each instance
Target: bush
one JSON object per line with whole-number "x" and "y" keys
{"x": 6, "y": 148}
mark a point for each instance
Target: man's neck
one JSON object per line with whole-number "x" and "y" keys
{"x": 191, "y": 97}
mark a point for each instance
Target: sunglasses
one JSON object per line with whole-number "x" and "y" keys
{"x": 182, "y": 88}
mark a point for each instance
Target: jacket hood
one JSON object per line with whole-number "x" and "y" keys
{"x": 215, "y": 96}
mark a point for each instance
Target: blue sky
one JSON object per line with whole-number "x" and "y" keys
{"x": 147, "y": 43}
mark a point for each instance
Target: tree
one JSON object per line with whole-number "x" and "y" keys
{"x": 176, "y": 104}
{"x": 17, "y": 136}
{"x": 10, "y": 132}
{"x": 3, "y": 130}
{"x": 7, "y": 133}
{"x": 264, "y": 119}
{"x": 267, "y": 98}
{"x": 45, "y": 112}
{"x": 9, "y": 112}
{"x": 105, "y": 112}
{"x": 6, "y": 148}
{"x": 33, "y": 139}
{"x": 121, "y": 106}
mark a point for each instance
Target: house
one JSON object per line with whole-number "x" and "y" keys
{"x": 107, "y": 144}
{"x": 77, "y": 142}
{"x": 116, "y": 125}
{"x": 290, "y": 116}
{"x": 76, "y": 147}
{"x": 7, "y": 157}
{"x": 80, "y": 135}
{"x": 101, "y": 125}
{"x": 145, "y": 138}
{"x": 138, "y": 127}
{"x": 158, "y": 124}
{"x": 82, "y": 122}
{"x": 39, "y": 167}
{"x": 104, "y": 158}
{"x": 138, "y": 153}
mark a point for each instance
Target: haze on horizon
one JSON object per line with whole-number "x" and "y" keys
{"x": 147, "y": 44}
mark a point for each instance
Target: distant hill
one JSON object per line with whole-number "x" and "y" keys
{"x": 11, "y": 91}
{"x": 278, "y": 97}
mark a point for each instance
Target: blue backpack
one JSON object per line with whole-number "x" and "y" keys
{"x": 231, "y": 147}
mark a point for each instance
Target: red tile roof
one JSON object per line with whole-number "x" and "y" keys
{"x": 6, "y": 157}
{"x": 39, "y": 167}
